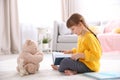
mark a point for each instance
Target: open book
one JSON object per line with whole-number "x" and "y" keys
{"x": 58, "y": 56}
{"x": 104, "y": 75}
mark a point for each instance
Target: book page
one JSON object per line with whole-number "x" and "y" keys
{"x": 59, "y": 55}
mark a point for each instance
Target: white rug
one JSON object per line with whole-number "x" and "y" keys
{"x": 109, "y": 63}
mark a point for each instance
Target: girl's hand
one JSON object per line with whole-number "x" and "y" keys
{"x": 67, "y": 52}
{"x": 75, "y": 56}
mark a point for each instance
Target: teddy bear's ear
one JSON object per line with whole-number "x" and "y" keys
{"x": 28, "y": 42}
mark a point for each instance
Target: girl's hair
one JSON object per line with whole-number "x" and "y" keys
{"x": 75, "y": 19}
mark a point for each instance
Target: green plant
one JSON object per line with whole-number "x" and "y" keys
{"x": 46, "y": 40}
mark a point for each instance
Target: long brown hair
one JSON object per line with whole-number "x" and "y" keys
{"x": 75, "y": 19}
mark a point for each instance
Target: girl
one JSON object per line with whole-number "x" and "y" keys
{"x": 86, "y": 57}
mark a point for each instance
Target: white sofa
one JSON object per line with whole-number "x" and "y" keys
{"x": 63, "y": 39}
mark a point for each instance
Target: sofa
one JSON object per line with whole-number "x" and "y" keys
{"x": 64, "y": 39}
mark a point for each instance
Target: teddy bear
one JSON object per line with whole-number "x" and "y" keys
{"x": 29, "y": 59}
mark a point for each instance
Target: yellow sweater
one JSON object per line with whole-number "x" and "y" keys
{"x": 90, "y": 46}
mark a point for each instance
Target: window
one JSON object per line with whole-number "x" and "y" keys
{"x": 41, "y": 13}
{"x": 100, "y": 10}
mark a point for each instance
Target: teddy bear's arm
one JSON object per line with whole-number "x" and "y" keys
{"x": 29, "y": 58}
{"x": 39, "y": 56}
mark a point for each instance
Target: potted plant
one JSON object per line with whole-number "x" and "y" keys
{"x": 45, "y": 42}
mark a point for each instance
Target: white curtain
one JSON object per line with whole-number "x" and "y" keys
{"x": 69, "y": 7}
{"x": 9, "y": 29}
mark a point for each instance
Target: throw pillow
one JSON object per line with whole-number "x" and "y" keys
{"x": 116, "y": 30}
{"x": 111, "y": 25}
{"x": 97, "y": 29}
{"x": 63, "y": 30}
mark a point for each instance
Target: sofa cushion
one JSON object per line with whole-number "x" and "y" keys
{"x": 63, "y": 30}
{"x": 97, "y": 29}
{"x": 67, "y": 38}
{"x": 110, "y": 26}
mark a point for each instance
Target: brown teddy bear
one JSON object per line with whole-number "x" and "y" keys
{"x": 29, "y": 59}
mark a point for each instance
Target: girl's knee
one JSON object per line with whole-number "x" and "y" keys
{"x": 66, "y": 60}
{"x": 65, "y": 63}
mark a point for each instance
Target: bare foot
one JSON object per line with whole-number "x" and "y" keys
{"x": 55, "y": 67}
{"x": 70, "y": 72}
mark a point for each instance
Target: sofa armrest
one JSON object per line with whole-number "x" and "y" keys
{"x": 55, "y": 35}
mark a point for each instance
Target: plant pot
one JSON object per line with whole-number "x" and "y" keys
{"x": 45, "y": 46}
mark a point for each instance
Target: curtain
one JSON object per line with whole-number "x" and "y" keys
{"x": 9, "y": 29}
{"x": 68, "y": 7}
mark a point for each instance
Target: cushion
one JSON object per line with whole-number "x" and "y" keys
{"x": 116, "y": 30}
{"x": 63, "y": 30}
{"x": 97, "y": 29}
{"x": 67, "y": 38}
{"x": 110, "y": 26}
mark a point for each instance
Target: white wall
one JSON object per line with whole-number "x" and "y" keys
{"x": 40, "y": 13}
{"x": 37, "y": 13}
{"x": 99, "y": 10}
